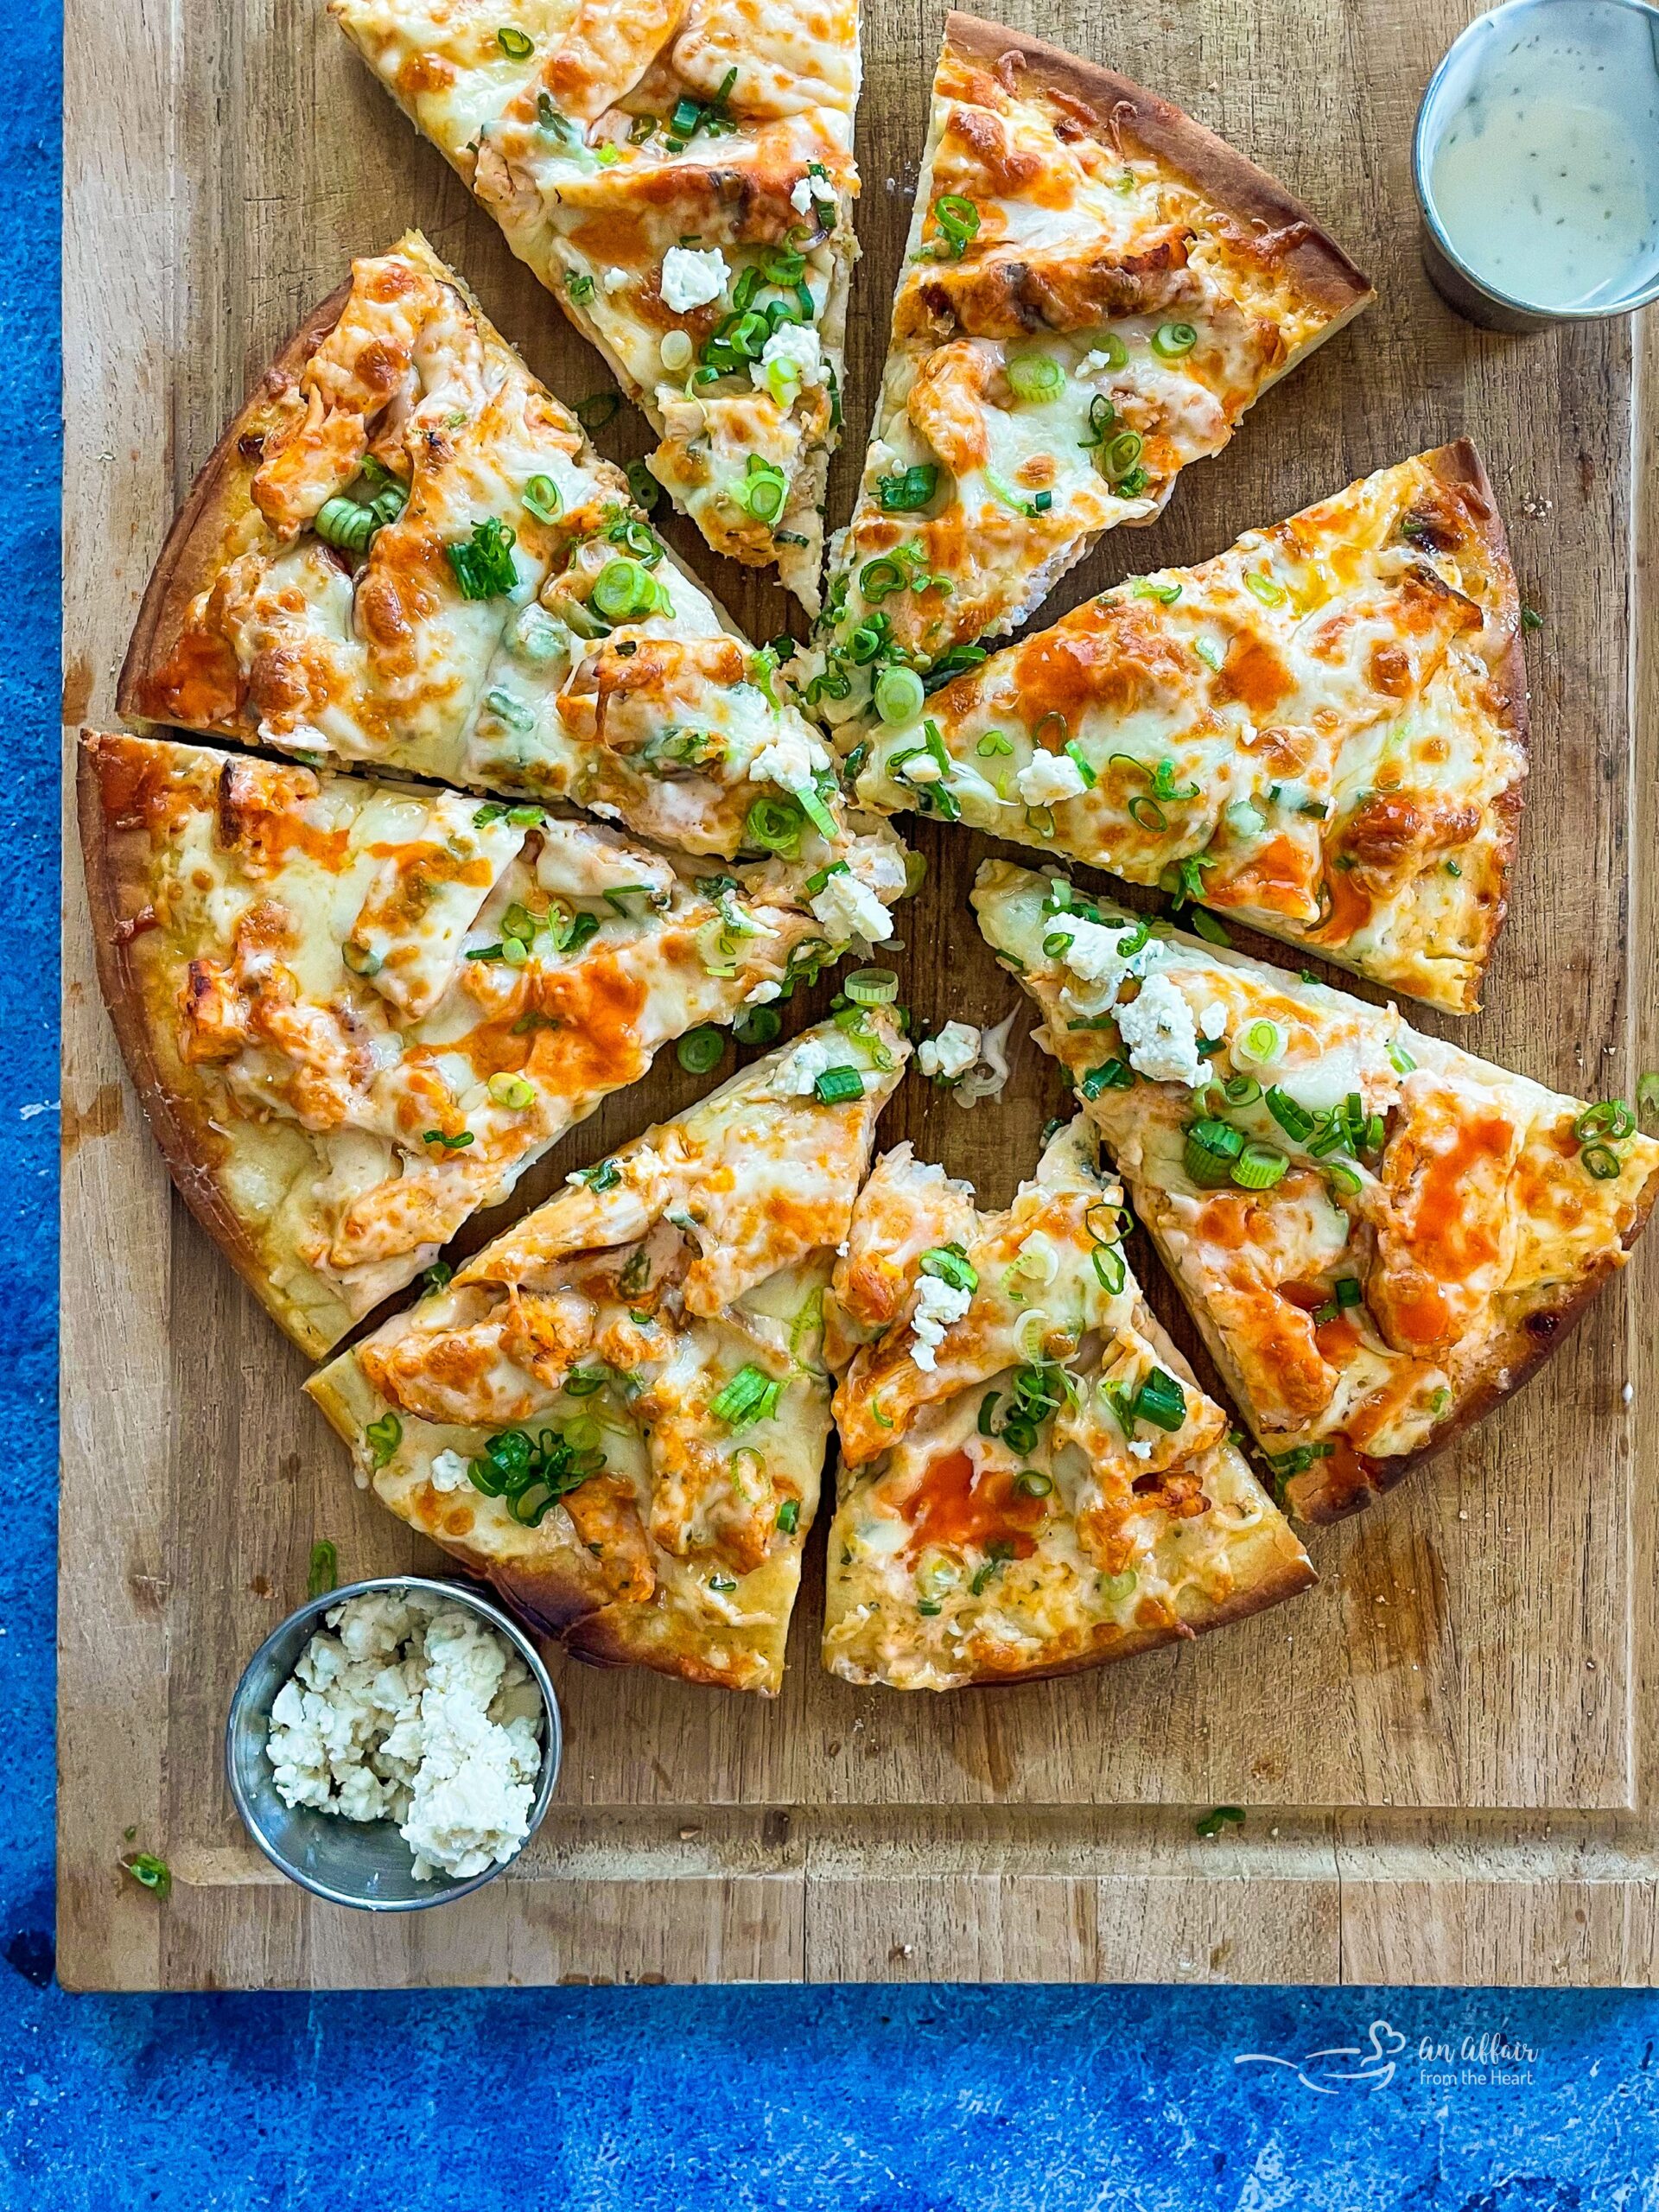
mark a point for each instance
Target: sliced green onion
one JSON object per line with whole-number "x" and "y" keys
{"x": 1081, "y": 762}
{"x": 1262, "y": 1045}
{"x": 836, "y": 1086}
{"x": 1401, "y": 1060}
{"x": 1212, "y": 1149}
{"x": 1241, "y": 1090}
{"x": 597, "y": 409}
{"x": 1270, "y": 593}
{"x": 958, "y": 218}
{"x": 540, "y": 497}
{"x": 384, "y": 1436}
{"x": 676, "y": 351}
{"x": 359, "y": 959}
{"x": 1161, "y": 1401}
{"x": 323, "y": 1574}
{"x": 1122, "y": 453}
{"x": 1115, "y": 1588}
{"x": 1171, "y": 340}
{"x": 872, "y": 987}
{"x": 1206, "y": 926}
{"x": 1031, "y": 1482}
{"x": 1259, "y": 1166}
{"x": 483, "y": 564}
{"x": 763, "y": 491}
{"x": 994, "y": 745}
{"x": 1601, "y": 1161}
{"x": 345, "y": 523}
{"x": 1111, "y": 1075}
{"x": 1210, "y": 654}
{"x": 775, "y": 824}
{"x": 513, "y": 1090}
{"x": 1144, "y": 587}
{"x": 758, "y": 1025}
{"x": 900, "y": 695}
{"x": 623, "y": 589}
{"x": 1291, "y": 1114}
{"x": 699, "y": 1050}
{"x": 1612, "y": 1118}
{"x": 1112, "y": 346}
{"x": 514, "y": 44}
{"x": 816, "y": 811}
{"x": 951, "y": 1264}
{"x": 906, "y": 493}
{"x": 750, "y": 1395}
{"x": 1036, "y": 377}
{"x": 788, "y": 1516}
{"x": 1344, "y": 1179}
{"x": 150, "y": 1872}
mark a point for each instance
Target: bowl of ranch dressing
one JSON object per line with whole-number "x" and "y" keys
{"x": 394, "y": 1743}
{"x": 1536, "y": 163}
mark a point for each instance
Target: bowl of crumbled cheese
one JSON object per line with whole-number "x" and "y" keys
{"x": 393, "y": 1744}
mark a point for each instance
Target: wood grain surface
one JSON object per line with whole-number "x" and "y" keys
{"x": 1446, "y": 1749}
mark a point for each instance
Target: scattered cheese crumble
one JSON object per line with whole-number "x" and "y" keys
{"x": 797, "y": 1075}
{"x": 950, "y": 1054}
{"x": 1047, "y": 777}
{"x": 937, "y": 1304}
{"x": 797, "y": 345}
{"x": 800, "y": 198}
{"x": 408, "y": 1708}
{"x": 448, "y": 1472}
{"x": 849, "y": 908}
{"x": 789, "y": 759}
{"x": 690, "y": 278}
{"x": 1159, "y": 1035}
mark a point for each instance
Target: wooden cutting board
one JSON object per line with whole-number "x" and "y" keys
{"x": 1447, "y": 1750}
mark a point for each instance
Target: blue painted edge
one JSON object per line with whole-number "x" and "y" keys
{"x": 931, "y": 2098}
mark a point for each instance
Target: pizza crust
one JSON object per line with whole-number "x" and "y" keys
{"x": 1323, "y": 277}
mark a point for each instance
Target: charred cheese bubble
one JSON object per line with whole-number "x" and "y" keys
{"x": 631, "y": 1382}
{"x": 1031, "y": 1481}
{"x": 1377, "y": 1234}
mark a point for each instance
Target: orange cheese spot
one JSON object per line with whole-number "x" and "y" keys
{"x": 961, "y": 1507}
{"x": 197, "y": 685}
{"x": 1450, "y": 1237}
{"x": 1255, "y": 675}
{"x": 1351, "y": 910}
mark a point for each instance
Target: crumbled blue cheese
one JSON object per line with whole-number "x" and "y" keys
{"x": 798, "y": 1073}
{"x": 406, "y": 1708}
{"x": 763, "y": 993}
{"x": 800, "y": 198}
{"x": 1048, "y": 777}
{"x": 937, "y": 1304}
{"x": 448, "y": 1472}
{"x": 1093, "y": 955}
{"x": 1212, "y": 1022}
{"x": 950, "y": 1054}
{"x": 849, "y": 908}
{"x": 795, "y": 350}
{"x": 788, "y": 758}
{"x": 690, "y": 278}
{"x": 1159, "y": 1035}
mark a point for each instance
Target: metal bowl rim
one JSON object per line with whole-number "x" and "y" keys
{"x": 1426, "y": 198}
{"x": 313, "y": 1610}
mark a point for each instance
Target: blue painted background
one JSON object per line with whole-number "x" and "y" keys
{"x": 658, "y": 2101}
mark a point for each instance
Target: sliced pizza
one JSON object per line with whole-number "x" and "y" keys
{"x": 681, "y": 181}
{"x": 357, "y": 1011}
{"x": 618, "y": 1411}
{"x": 1323, "y": 729}
{"x": 1032, "y": 1480}
{"x": 1094, "y": 290}
{"x": 1378, "y": 1235}
{"x": 405, "y": 552}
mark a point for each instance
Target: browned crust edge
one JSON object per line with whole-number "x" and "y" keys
{"x": 1458, "y": 466}
{"x": 117, "y": 890}
{"x": 1311, "y": 1497}
{"x": 191, "y": 552}
{"x": 1323, "y": 274}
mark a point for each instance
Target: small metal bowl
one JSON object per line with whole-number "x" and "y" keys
{"x": 1457, "y": 283}
{"x": 362, "y": 1863}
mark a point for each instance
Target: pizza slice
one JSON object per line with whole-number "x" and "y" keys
{"x": 405, "y": 552}
{"x": 1322, "y": 730}
{"x": 618, "y": 1411}
{"x": 1378, "y": 1235}
{"x": 358, "y": 1011}
{"x": 1094, "y": 290}
{"x": 681, "y": 181}
{"x": 1032, "y": 1480}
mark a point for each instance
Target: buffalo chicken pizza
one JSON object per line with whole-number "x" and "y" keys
{"x": 1032, "y": 1480}
{"x": 404, "y": 553}
{"x": 1378, "y": 1235}
{"x": 358, "y": 1011}
{"x": 1094, "y": 290}
{"x": 1322, "y": 729}
{"x": 681, "y": 178}
{"x": 618, "y": 1411}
